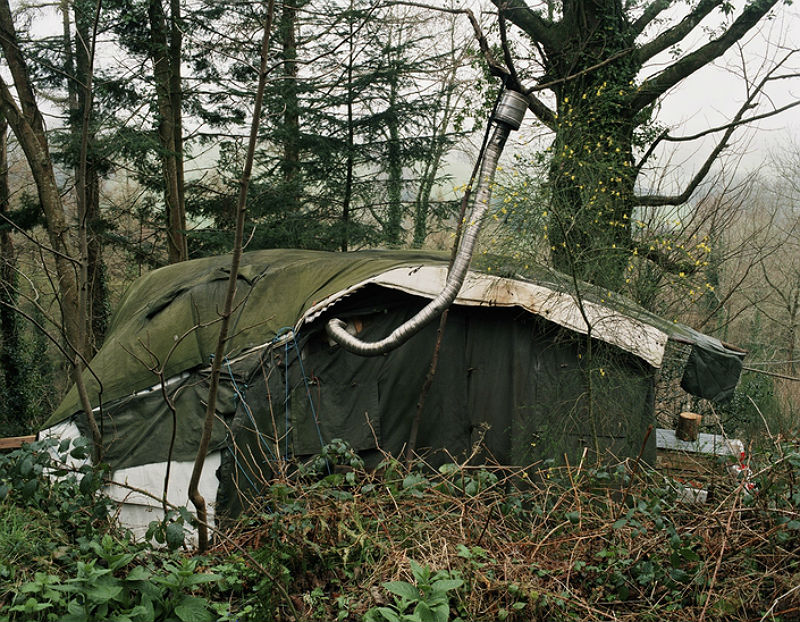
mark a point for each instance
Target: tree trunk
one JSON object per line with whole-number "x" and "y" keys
{"x": 176, "y": 103}
{"x": 87, "y": 180}
{"x": 96, "y": 268}
{"x": 350, "y": 158}
{"x": 394, "y": 164}
{"x": 34, "y": 145}
{"x": 422, "y": 205}
{"x": 688, "y": 426}
{"x": 591, "y": 59}
{"x": 26, "y": 121}
{"x": 12, "y": 364}
{"x": 591, "y": 174}
{"x": 291, "y": 115}
{"x": 431, "y": 164}
{"x": 791, "y": 337}
{"x": 165, "y": 54}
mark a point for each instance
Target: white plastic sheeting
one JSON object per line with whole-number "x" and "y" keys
{"x": 135, "y": 510}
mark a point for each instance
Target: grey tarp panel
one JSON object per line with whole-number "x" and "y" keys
{"x": 702, "y": 376}
{"x": 139, "y": 429}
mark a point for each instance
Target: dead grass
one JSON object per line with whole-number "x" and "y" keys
{"x": 538, "y": 543}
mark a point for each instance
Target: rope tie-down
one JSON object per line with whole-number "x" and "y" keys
{"x": 290, "y": 345}
{"x": 507, "y": 116}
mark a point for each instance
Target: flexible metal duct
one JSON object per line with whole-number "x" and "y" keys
{"x": 506, "y": 117}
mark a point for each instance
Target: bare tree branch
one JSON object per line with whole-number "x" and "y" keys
{"x": 653, "y": 10}
{"x": 656, "y": 86}
{"x": 675, "y": 34}
{"x": 738, "y": 119}
{"x": 539, "y": 29}
{"x": 650, "y": 150}
{"x": 655, "y": 200}
{"x": 664, "y": 261}
{"x": 582, "y": 72}
{"x": 241, "y": 210}
{"x": 506, "y": 51}
{"x": 713, "y": 130}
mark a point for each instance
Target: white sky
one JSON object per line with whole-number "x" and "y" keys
{"x": 713, "y": 94}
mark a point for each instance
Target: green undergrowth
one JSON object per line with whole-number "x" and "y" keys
{"x": 544, "y": 543}
{"x": 337, "y": 542}
{"x": 62, "y": 558}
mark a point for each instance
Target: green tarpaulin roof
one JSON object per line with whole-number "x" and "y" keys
{"x": 167, "y": 322}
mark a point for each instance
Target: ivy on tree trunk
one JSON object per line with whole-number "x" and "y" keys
{"x": 592, "y": 55}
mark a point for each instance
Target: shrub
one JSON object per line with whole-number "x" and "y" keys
{"x": 63, "y": 558}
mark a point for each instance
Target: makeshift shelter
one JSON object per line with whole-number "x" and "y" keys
{"x": 528, "y": 367}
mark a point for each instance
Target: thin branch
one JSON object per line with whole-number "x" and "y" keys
{"x": 659, "y": 84}
{"x": 656, "y": 200}
{"x": 36, "y": 242}
{"x": 771, "y": 373}
{"x": 65, "y": 350}
{"x": 194, "y": 494}
{"x": 573, "y": 76}
{"x": 738, "y": 119}
{"x": 638, "y": 166}
{"x": 675, "y": 34}
{"x": 664, "y": 261}
{"x": 713, "y": 130}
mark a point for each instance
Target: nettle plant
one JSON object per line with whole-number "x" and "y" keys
{"x": 425, "y": 600}
{"x": 75, "y": 564}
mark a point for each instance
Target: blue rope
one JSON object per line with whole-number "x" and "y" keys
{"x": 293, "y": 341}
{"x": 308, "y": 393}
{"x": 249, "y": 411}
{"x": 236, "y": 460}
{"x": 286, "y": 400}
{"x": 239, "y": 394}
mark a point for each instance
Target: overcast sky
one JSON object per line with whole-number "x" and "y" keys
{"x": 714, "y": 94}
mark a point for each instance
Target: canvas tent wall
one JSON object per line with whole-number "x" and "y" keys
{"x": 517, "y": 368}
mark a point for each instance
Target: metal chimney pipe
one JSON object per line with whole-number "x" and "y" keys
{"x": 507, "y": 116}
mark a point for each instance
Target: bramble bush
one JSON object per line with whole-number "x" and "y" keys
{"x": 542, "y": 543}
